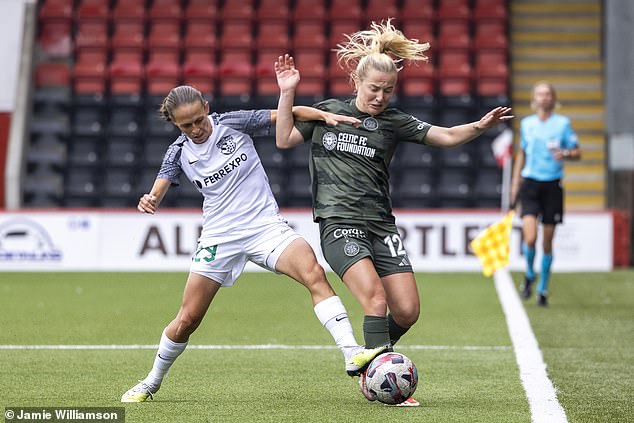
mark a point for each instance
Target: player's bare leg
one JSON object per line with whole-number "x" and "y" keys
{"x": 198, "y": 294}
{"x": 299, "y": 262}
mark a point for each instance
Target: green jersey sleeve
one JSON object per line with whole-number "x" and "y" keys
{"x": 409, "y": 128}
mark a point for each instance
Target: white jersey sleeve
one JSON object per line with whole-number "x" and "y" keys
{"x": 251, "y": 122}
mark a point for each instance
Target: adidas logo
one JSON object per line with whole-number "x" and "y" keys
{"x": 404, "y": 262}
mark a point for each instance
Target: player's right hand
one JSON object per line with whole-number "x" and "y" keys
{"x": 147, "y": 204}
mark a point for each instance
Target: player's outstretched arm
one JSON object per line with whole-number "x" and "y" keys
{"x": 287, "y": 80}
{"x": 286, "y": 135}
{"x": 149, "y": 203}
{"x": 460, "y": 134}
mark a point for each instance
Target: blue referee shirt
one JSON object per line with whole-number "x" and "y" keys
{"x": 538, "y": 138}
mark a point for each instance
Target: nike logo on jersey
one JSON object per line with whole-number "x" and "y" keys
{"x": 193, "y": 161}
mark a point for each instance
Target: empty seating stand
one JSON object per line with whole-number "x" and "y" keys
{"x": 103, "y": 67}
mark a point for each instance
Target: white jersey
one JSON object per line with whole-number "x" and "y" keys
{"x": 227, "y": 170}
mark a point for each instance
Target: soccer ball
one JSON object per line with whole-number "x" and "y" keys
{"x": 391, "y": 378}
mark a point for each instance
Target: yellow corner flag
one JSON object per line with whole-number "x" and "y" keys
{"x": 492, "y": 245}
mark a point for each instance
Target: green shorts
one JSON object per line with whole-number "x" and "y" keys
{"x": 344, "y": 242}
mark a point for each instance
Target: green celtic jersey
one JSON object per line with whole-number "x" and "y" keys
{"x": 349, "y": 166}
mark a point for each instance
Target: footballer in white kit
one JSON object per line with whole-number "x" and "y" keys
{"x": 241, "y": 219}
{"x": 241, "y": 222}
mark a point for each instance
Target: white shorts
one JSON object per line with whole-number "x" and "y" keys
{"x": 225, "y": 261}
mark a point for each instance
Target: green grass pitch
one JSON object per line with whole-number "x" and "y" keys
{"x": 467, "y": 367}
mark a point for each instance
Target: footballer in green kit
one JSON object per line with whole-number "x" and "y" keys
{"x": 350, "y": 179}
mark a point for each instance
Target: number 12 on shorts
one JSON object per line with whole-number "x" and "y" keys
{"x": 208, "y": 256}
{"x": 395, "y": 245}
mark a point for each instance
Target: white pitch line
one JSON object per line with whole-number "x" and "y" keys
{"x": 245, "y": 347}
{"x": 541, "y": 394}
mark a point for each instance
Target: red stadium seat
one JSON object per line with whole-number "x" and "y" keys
{"x": 309, "y": 35}
{"x": 418, "y": 87}
{"x": 164, "y": 34}
{"x": 128, "y": 34}
{"x": 55, "y": 40}
{"x": 311, "y": 87}
{"x": 490, "y": 34}
{"x": 346, "y": 10}
{"x": 199, "y": 63}
{"x": 454, "y": 87}
{"x": 265, "y": 81}
{"x": 162, "y": 72}
{"x": 379, "y": 10}
{"x": 56, "y": 10}
{"x": 166, "y": 10}
{"x": 417, "y": 79}
{"x": 454, "y": 34}
{"x": 92, "y": 10}
{"x": 340, "y": 87}
{"x": 126, "y": 72}
{"x": 490, "y": 10}
{"x": 236, "y": 35}
{"x": 420, "y": 70}
{"x": 311, "y": 63}
{"x": 91, "y": 63}
{"x": 52, "y": 74}
{"x": 201, "y": 33}
{"x": 339, "y": 28}
{"x": 241, "y": 10}
{"x": 334, "y": 70}
{"x": 231, "y": 87}
{"x": 491, "y": 63}
{"x": 129, "y": 10}
{"x": 488, "y": 87}
{"x": 422, "y": 30}
{"x": 273, "y": 10}
{"x": 236, "y": 64}
{"x": 266, "y": 88}
{"x": 273, "y": 34}
{"x": 90, "y": 72}
{"x": 312, "y": 66}
{"x": 264, "y": 64}
{"x": 92, "y": 33}
{"x": 418, "y": 10}
{"x": 206, "y": 10}
{"x": 454, "y": 63}
{"x": 308, "y": 10}
{"x": 453, "y": 9}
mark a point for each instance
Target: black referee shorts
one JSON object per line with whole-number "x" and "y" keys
{"x": 542, "y": 199}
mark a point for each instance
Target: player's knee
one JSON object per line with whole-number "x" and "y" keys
{"x": 410, "y": 316}
{"x": 187, "y": 323}
{"x": 378, "y": 300}
{"x": 314, "y": 278}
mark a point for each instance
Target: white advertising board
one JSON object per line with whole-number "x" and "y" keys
{"x": 129, "y": 241}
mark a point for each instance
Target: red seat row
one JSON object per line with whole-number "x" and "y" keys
{"x": 251, "y": 10}
{"x": 235, "y": 71}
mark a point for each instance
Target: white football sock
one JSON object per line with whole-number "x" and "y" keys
{"x": 333, "y": 315}
{"x": 168, "y": 351}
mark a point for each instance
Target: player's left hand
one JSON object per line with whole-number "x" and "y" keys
{"x": 287, "y": 75}
{"x": 333, "y": 119}
{"x": 495, "y": 117}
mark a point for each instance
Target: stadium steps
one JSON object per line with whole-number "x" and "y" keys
{"x": 560, "y": 41}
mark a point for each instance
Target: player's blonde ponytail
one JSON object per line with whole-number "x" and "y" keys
{"x": 383, "y": 48}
